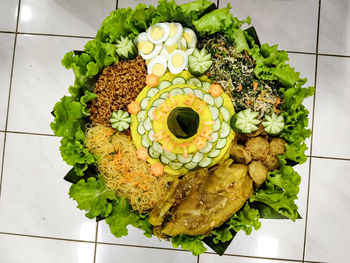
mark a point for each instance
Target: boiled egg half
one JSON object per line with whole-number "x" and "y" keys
{"x": 175, "y": 34}
{"x": 177, "y": 61}
{"x": 190, "y": 36}
{"x": 146, "y": 48}
{"x": 157, "y": 66}
{"x": 158, "y": 33}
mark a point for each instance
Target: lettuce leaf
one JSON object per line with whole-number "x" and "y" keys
{"x": 191, "y": 243}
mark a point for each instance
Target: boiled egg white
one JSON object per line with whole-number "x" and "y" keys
{"x": 190, "y": 36}
{"x": 158, "y": 33}
{"x": 175, "y": 34}
{"x": 146, "y": 48}
{"x": 183, "y": 44}
{"x": 157, "y": 66}
{"x": 177, "y": 61}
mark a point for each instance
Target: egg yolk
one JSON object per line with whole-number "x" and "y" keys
{"x": 157, "y": 33}
{"x": 170, "y": 49}
{"x": 173, "y": 29}
{"x": 188, "y": 37}
{"x": 146, "y": 47}
{"x": 158, "y": 69}
{"x": 177, "y": 60}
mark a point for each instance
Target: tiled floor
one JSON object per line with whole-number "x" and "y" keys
{"x": 38, "y": 221}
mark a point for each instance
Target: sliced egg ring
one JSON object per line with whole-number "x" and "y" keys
{"x": 190, "y": 36}
{"x": 175, "y": 35}
{"x": 177, "y": 61}
{"x": 157, "y": 66}
{"x": 146, "y": 48}
{"x": 158, "y": 33}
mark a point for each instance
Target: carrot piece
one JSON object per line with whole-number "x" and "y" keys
{"x": 255, "y": 85}
{"x": 239, "y": 88}
{"x": 157, "y": 169}
{"x": 152, "y": 80}
{"x": 215, "y": 90}
{"x": 142, "y": 154}
{"x": 134, "y": 107}
{"x": 278, "y": 101}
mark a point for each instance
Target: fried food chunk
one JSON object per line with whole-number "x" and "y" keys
{"x": 258, "y": 172}
{"x": 259, "y": 147}
{"x": 258, "y": 132}
{"x": 239, "y": 154}
{"x": 271, "y": 162}
{"x": 277, "y": 146}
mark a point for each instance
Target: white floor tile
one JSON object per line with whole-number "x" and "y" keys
{"x": 6, "y": 54}
{"x": 133, "y": 3}
{"x": 331, "y": 124}
{"x": 113, "y": 254}
{"x": 277, "y": 238}
{"x": 19, "y": 249}
{"x": 39, "y": 80}
{"x": 34, "y": 196}
{"x": 290, "y": 24}
{"x": 78, "y": 17}
{"x": 334, "y": 27}
{"x": 207, "y": 258}
{"x": 328, "y": 232}
{"x": 8, "y": 15}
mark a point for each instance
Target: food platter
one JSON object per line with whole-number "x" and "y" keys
{"x": 182, "y": 124}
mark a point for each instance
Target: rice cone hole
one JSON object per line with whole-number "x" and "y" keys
{"x": 123, "y": 172}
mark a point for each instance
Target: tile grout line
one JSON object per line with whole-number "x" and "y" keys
{"x": 217, "y": 3}
{"x": 256, "y": 257}
{"x": 312, "y": 125}
{"x": 31, "y": 133}
{"x": 198, "y": 259}
{"x": 95, "y": 249}
{"x": 116, "y": 4}
{"x": 9, "y": 96}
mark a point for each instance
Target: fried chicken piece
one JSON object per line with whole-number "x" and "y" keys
{"x": 259, "y": 147}
{"x": 277, "y": 146}
{"x": 258, "y": 172}
{"x": 239, "y": 154}
{"x": 271, "y": 162}
{"x": 258, "y": 132}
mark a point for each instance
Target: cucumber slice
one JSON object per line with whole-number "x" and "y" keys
{"x": 216, "y": 125}
{"x": 208, "y": 99}
{"x": 214, "y": 112}
{"x": 176, "y": 92}
{"x": 144, "y": 103}
{"x": 152, "y": 153}
{"x": 245, "y": 121}
{"x": 152, "y": 92}
{"x": 225, "y": 130}
{"x": 150, "y": 113}
{"x": 206, "y": 86}
{"x": 205, "y": 162}
{"x": 225, "y": 114}
{"x": 144, "y": 141}
{"x": 191, "y": 165}
{"x": 157, "y": 102}
{"x": 164, "y": 160}
{"x": 214, "y": 137}
{"x": 179, "y": 80}
{"x": 221, "y": 143}
{"x": 164, "y": 95}
{"x": 199, "y": 62}
{"x": 183, "y": 159}
{"x": 150, "y": 135}
{"x": 125, "y": 48}
{"x": 169, "y": 155}
{"x": 214, "y": 153}
{"x": 157, "y": 147}
{"x": 273, "y": 124}
{"x": 140, "y": 129}
{"x": 197, "y": 157}
{"x": 198, "y": 94}
{"x": 188, "y": 90}
{"x": 194, "y": 82}
{"x": 219, "y": 101}
{"x": 141, "y": 116}
{"x": 175, "y": 166}
{"x": 164, "y": 84}
{"x": 147, "y": 124}
{"x": 207, "y": 148}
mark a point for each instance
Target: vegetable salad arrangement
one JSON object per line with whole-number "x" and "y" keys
{"x": 182, "y": 124}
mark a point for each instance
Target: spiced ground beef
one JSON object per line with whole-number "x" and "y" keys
{"x": 117, "y": 86}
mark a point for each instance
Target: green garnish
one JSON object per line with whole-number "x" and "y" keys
{"x": 120, "y": 120}
{"x": 246, "y": 121}
{"x": 273, "y": 124}
{"x": 126, "y": 48}
{"x": 199, "y": 62}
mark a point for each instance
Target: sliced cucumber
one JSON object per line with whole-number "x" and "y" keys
{"x": 208, "y": 99}
{"x": 147, "y": 124}
{"x": 164, "y": 160}
{"x": 214, "y": 153}
{"x": 152, "y": 92}
{"x": 197, "y": 157}
{"x": 188, "y": 90}
{"x": 141, "y": 116}
{"x": 150, "y": 135}
{"x": 150, "y": 113}
{"x": 214, "y": 112}
{"x": 221, "y": 143}
{"x": 144, "y": 141}
{"x": 157, "y": 147}
{"x": 176, "y": 92}
{"x": 214, "y": 137}
{"x": 164, "y": 84}
{"x": 191, "y": 165}
{"x": 169, "y": 155}
{"x": 245, "y": 121}
{"x": 179, "y": 80}
{"x": 183, "y": 159}
{"x": 198, "y": 94}
{"x": 219, "y": 101}
{"x": 157, "y": 102}
{"x": 144, "y": 103}
{"x": 225, "y": 114}
{"x": 206, "y": 86}
{"x": 175, "y": 166}
{"x": 194, "y": 82}
{"x": 207, "y": 148}
{"x": 217, "y": 125}
{"x": 273, "y": 124}
{"x": 152, "y": 153}
{"x": 125, "y": 48}
{"x": 164, "y": 95}
{"x": 140, "y": 129}
{"x": 225, "y": 130}
{"x": 199, "y": 62}
{"x": 205, "y": 162}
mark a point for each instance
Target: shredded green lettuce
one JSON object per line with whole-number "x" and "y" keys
{"x": 191, "y": 243}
